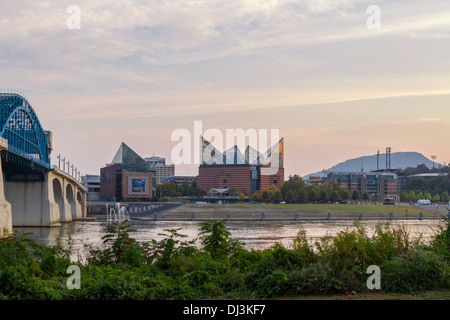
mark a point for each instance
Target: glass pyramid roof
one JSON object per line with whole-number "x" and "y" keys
{"x": 130, "y": 160}
{"x": 233, "y": 156}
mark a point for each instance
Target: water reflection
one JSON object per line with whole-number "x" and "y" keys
{"x": 255, "y": 234}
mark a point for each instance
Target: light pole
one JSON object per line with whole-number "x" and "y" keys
{"x": 434, "y": 158}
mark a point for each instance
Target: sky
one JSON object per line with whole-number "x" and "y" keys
{"x": 337, "y": 80}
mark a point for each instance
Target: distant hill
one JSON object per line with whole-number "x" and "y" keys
{"x": 399, "y": 160}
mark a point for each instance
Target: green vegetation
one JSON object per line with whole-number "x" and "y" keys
{"x": 365, "y": 208}
{"x": 220, "y": 267}
{"x": 435, "y": 189}
{"x": 295, "y": 190}
{"x": 171, "y": 189}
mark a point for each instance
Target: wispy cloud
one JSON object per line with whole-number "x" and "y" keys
{"x": 137, "y": 60}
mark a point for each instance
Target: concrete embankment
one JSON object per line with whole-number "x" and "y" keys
{"x": 207, "y": 212}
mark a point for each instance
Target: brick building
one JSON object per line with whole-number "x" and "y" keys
{"x": 127, "y": 177}
{"x": 232, "y": 169}
{"x": 379, "y": 185}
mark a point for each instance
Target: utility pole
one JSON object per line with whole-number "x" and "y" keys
{"x": 378, "y": 160}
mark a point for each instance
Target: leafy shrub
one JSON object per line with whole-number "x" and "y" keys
{"x": 416, "y": 270}
{"x": 389, "y": 242}
{"x": 441, "y": 241}
{"x": 303, "y": 250}
{"x": 173, "y": 268}
{"x": 273, "y": 283}
{"x": 316, "y": 278}
{"x": 216, "y": 239}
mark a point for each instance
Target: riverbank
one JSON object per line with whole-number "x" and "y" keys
{"x": 175, "y": 268}
{"x": 239, "y": 212}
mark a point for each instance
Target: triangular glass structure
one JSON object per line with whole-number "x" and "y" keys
{"x": 273, "y": 157}
{"x": 130, "y": 160}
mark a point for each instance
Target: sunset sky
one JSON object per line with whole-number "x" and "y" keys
{"x": 137, "y": 70}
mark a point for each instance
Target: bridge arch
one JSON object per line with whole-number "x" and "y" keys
{"x": 20, "y": 125}
{"x": 58, "y": 194}
{"x": 35, "y": 193}
{"x": 69, "y": 194}
{"x": 70, "y": 197}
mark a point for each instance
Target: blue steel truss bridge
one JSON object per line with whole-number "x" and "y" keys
{"x": 32, "y": 191}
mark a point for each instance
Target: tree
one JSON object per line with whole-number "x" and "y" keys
{"x": 302, "y": 196}
{"x": 294, "y": 183}
{"x": 366, "y": 196}
{"x": 345, "y": 193}
{"x": 445, "y": 197}
{"x": 265, "y": 196}
{"x": 404, "y": 196}
{"x": 233, "y": 191}
{"x": 313, "y": 193}
{"x": 335, "y": 196}
{"x": 277, "y": 196}
{"x": 412, "y": 196}
{"x": 187, "y": 189}
{"x": 169, "y": 189}
{"x": 356, "y": 195}
{"x": 436, "y": 198}
{"x": 256, "y": 196}
{"x": 290, "y": 196}
{"x": 323, "y": 196}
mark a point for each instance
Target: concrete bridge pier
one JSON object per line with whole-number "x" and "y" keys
{"x": 47, "y": 202}
{"x": 5, "y": 210}
{"x": 32, "y": 203}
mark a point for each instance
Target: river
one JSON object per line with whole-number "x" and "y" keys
{"x": 255, "y": 234}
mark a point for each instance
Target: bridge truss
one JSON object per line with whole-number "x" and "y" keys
{"x": 29, "y": 145}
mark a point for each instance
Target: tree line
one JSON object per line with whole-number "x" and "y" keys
{"x": 295, "y": 190}
{"x": 435, "y": 189}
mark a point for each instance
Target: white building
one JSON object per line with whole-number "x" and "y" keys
{"x": 92, "y": 185}
{"x": 163, "y": 171}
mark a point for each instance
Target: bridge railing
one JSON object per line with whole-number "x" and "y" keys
{"x": 70, "y": 169}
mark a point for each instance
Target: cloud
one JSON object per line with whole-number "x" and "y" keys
{"x": 429, "y": 36}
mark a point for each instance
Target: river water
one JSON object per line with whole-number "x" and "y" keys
{"x": 255, "y": 234}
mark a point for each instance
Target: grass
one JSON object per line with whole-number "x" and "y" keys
{"x": 366, "y": 208}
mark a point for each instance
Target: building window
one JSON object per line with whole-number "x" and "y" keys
{"x": 275, "y": 181}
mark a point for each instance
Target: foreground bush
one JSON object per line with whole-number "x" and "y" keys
{"x": 221, "y": 267}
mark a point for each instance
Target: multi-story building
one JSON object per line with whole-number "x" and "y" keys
{"x": 92, "y": 185}
{"x": 162, "y": 170}
{"x": 232, "y": 169}
{"x": 379, "y": 185}
{"x": 179, "y": 180}
{"x": 153, "y": 161}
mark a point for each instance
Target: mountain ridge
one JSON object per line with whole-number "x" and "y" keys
{"x": 399, "y": 160}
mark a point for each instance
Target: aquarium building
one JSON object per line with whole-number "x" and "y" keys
{"x": 128, "y": 177}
